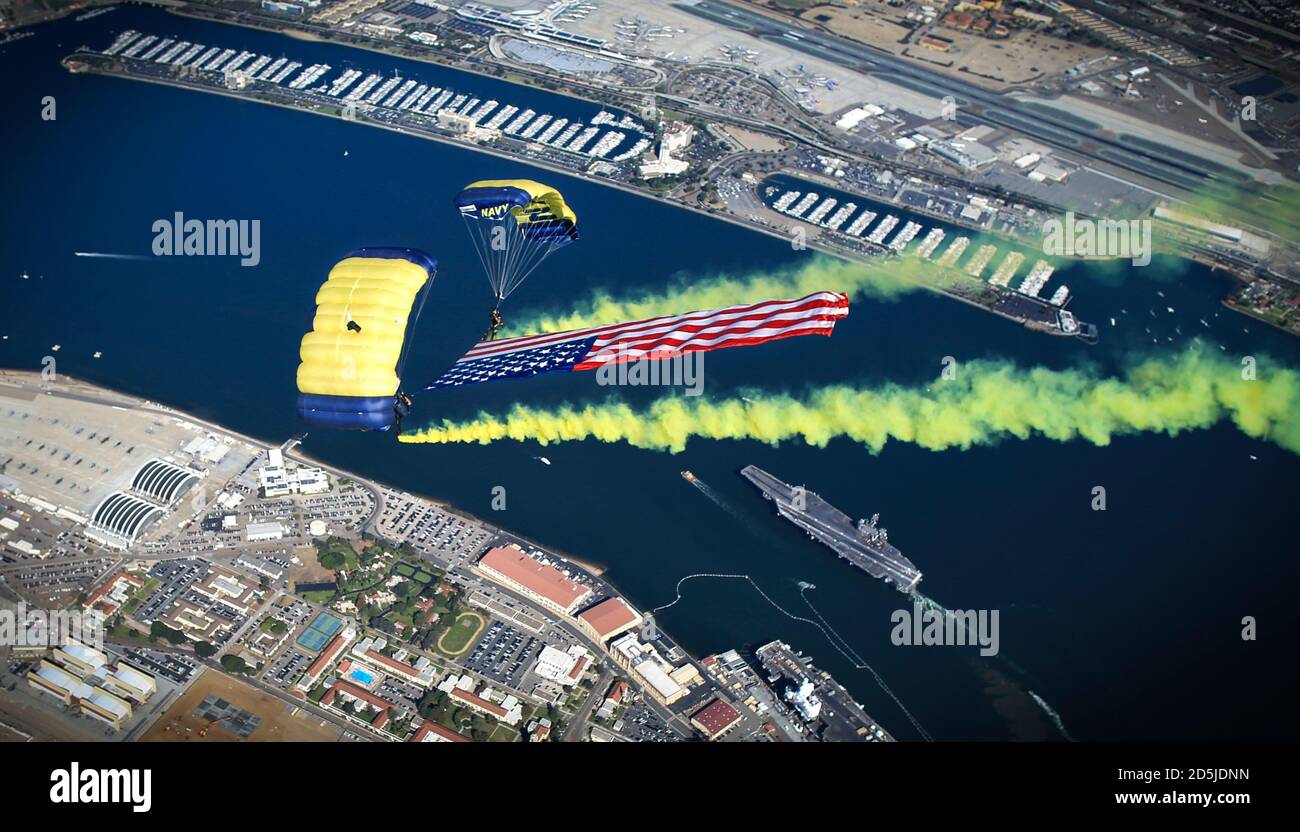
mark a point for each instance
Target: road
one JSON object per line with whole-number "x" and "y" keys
{"x": 576, "y": 730}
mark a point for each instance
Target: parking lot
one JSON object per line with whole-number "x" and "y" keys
{"x": 170, "y": 666}
{"x": 640, "y": 722}
{"x": 430, "y": 530}
{"x": 504, "y": 654}
{"x": 175, "y": 576}
{"x": 287, "y": 668}
{"x": 56, "y": 584}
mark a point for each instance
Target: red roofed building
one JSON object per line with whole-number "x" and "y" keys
{"x": 352, "y": 691}
{"x": 406, "y": 671}
{"x": 109, "y": 596}
{"x": 509, "y": 566}
{"x": 716, "y": 718}
{"x": 326, "y": 658}
{"x": 432, "y": 732}
{"x": 608, "y": 619}
{"x": 478, "y": 703}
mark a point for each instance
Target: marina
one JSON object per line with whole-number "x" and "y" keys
{"x": 957, "y": 258}
{"x": 604, "y": 135}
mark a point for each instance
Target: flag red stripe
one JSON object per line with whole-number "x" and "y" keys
{"x": 743, "y": 312}
{"x": 793, "y": 332}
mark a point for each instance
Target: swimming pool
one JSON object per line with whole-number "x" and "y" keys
{"x": 361, "y": 675}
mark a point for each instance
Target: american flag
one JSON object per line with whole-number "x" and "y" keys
{"x": 654, "y": 338}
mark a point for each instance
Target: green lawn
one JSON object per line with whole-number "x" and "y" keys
{"x": 140, "y": 595}
{"x": 124, "y": 633}
{"x": 461, "y": 634}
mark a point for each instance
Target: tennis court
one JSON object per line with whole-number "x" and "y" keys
{"x": 321, "y": 629}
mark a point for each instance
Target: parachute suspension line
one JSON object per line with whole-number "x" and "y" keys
{"x": 545, "y": 252}
{"x": 410, "y": 327}
{"x": 516, "y": 260}
{"x": 514, "y": 248}
{"x": 473, "y": 229}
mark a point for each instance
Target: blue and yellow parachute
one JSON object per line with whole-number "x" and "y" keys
{"x": 514, "y": 225}
{"x": 352, "y": 357}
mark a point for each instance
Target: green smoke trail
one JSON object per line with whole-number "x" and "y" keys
{"x": 884, "y": 280}
{"x": 987, "y": 402}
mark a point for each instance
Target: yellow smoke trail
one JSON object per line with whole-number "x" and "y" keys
{"x": 883, "y": 280}
{"x": 987, "y": 402}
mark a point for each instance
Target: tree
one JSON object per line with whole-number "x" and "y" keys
{"x": 159, "y": 630}
{"x": 234, "y": 664}
{"x": 332, "y": 559}
{"x": 205, "y": 649}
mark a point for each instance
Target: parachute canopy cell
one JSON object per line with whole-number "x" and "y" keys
{"x": 351, "y": 358}
{"x": 514, "y": 224}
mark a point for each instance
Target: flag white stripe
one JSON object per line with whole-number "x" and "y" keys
{"x": 819, "y": 300}
{"x": 696, "y": 344}
{"x": 510, "y": 344}
{"x": 669, "y": 330}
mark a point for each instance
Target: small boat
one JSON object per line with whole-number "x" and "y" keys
{"x": 542, "y": 460}
{"x": 689, "y": 477}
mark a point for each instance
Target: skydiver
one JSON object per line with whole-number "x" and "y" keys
{"x": 494, "y": 323}
{"x": 401, "y": 407}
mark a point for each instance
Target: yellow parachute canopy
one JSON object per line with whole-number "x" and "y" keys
{"x": 355, "y": 343}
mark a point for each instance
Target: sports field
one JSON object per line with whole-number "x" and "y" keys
{"x": 318, "y": 633}
{"x": 461, "y": 635}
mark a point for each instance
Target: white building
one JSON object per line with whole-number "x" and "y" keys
{"x": 560, "y": 667}
{"x": 677, "y": 136}
{"x": 258, "y": 532}
{"x": 276, "y": 480}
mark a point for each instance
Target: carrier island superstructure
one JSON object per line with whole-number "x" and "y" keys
{"x": 864, "y": 544}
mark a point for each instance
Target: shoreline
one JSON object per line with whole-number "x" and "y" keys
{"x": 816, "y": 245}
{"x": 569, "y": 91}
{"x": 81, "y": 385}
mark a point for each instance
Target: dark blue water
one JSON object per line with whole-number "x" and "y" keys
{"x": 1126, "y": 621}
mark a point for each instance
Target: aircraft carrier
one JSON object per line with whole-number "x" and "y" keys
{"x": 865, "y": 545}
